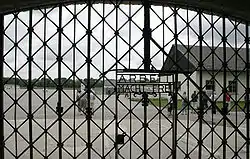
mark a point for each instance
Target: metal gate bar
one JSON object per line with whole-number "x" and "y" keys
{"x": 44, "y": 94}
{"x": 236, "y": 96}
{"x": 74, "y": 83}
{"x": 188, "y": 93}
{"x": 213, "y": 104}
{"x": 15, "y": 96}
{"x": 88, "y": 60}
{"x": 200, "y": 146}
{"x": 30, "y": 59}
{"x": 117, "y": 126}
{"x": 175, "y": 113}
{"x": 103, "y": 79}
{"x": 201, "y": 111}
{"x": 145, "y": 124}
{"x": 130, "y": 94}
{"x": 59, "y": 84}
{"x": 146, "y": 35}
{"x": 1, "y": 87}
{"x": 160, "y": 103}
{"x": 247, "y": 92}
{"x": 224, "y": 144}
{"x": 147, "y": 64}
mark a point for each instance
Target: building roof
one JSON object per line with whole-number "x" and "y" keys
{"x": 188, "y": 58}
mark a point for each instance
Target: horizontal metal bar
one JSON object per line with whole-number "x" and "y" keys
{"x": 160, "y": 72}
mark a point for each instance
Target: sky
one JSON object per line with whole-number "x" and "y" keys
{"x": 74, "y": 31}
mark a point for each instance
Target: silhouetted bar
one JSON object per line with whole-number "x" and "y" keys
{"x": 30, "y": 116}
{"x": 117, "y": 96}
{"x": 146, "y": 35}
{"x": 247, "y": 92}
{"x": 175, "y": 102}
{"x": 225, "y": 107}
{"x": 59, "y": 85}
{"x": 88, "y": 113}
{"x": 2, "y": 87}
{"x": 201, "y": 106}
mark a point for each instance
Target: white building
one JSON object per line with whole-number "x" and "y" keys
{"x": 212, "y": 73}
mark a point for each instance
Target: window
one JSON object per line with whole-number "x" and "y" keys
{"x": 232, "y": 86}
{"x": 210, "y": 85}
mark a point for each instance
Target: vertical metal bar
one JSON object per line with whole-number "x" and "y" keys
{"x": 224, "y": 86}
{"x": 1, "y": 87}
{"x": 147, "y": 62}
{"x": 201, "y": 108}
{"x": 130, "y": 101}
{"x": 160, "y": 97}
{"x": 236, "y": 97}
{"x": 160, "y": 123}
{"x": 189, "y": 105}
{"x": 88, "y": 80}
{"x": 163, "y": 34}
{"x": 175, "y": 87}
{"x": 146, "y": 35}
{"x": 116, "y": 77}
{"x": 247, "y": 92}
{"x": 129, "y": 36}
{"x": 44, "y": 92}
{"x": 59, "y": 87}
{"x": 30, "y": 84}
{"x": 15, "y": 92}
{"x": 74, "y": 81}
{"x": 213, "y": 98}
{"x": 103, "y": 78}
{"x": 145, "y": 124}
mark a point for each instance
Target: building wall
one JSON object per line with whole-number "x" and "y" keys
{"x": 185, "y": 84}
{"x": 241, "y": 82}
{"x": 189, "y": 87}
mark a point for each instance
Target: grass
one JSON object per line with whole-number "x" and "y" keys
{"x": 158, "y": 102}
{"x": 163, "y": 102}
{"x": 240, "y": 103}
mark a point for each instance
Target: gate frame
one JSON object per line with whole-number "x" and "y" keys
{"x": 147, "y": 38}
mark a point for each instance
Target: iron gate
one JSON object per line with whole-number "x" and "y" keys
{"x": 136, "y": 61}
